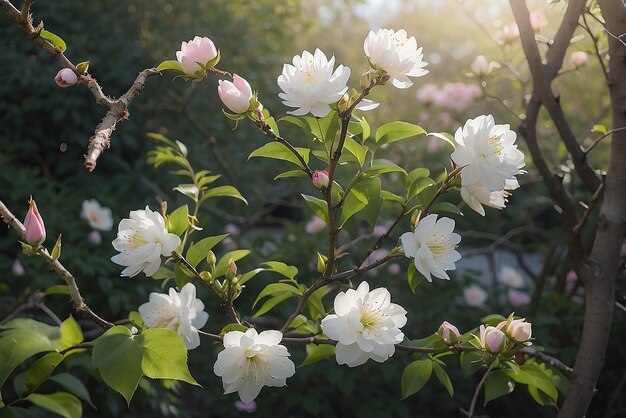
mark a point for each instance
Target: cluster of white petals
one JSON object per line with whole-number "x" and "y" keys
{"x": 141, "y": 240}
{"x": 250, "y": 361}
{"x": 477, "y": 195}
{"x": 366, "y": 325}
{"x": 180, "y": 312}
{"x": 433, "y": 246}
{"x": 98, "y": 217}
{"x": 487, "y": 153}
{"x": 396, "y": 54}
{"x": 311, "y": 85}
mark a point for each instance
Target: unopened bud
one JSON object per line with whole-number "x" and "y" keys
{"x": 320, "y": 179}
{"x": 35, "y": 229}
{"x": 210, "y": 258}
{"x": 321, "y": 262}
{"x": 448, "y": 333}
{"x": 82, "y": 67}
{"x": 232, "y": 270}
{"x": 66, "y": 77}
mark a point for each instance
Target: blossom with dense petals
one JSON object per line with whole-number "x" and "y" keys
{"x": 518, "y": 329}
{"x": 366, "y": 325}
{"x": 66, "y": 77}
{"x": 487, "y": 153}
{"x": 98, "y": 217}
{"x": 477, "y": 195}
{"x": 474, "y": 295}
{"x": 180, "y": 312}
{"x": 250, "y": 361}
{"x": 196, "y": 54}
{"x": 33, "y": 223}
{"x": 433, "y": 246}
{"x": 141, "y": 241}
{"x": 311, "y": 85}
{"x": 395, "y": 54}
{"x": 236, "y": 95}
{"x": 492, "y": 339}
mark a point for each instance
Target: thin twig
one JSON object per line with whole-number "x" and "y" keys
{"x": 594, "y": 201}
{"x": 470, "y": 413}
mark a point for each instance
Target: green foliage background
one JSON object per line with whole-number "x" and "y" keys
{"x": 44, "y": 131}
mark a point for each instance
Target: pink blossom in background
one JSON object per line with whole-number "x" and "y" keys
{"x": 622, "y": 252}
{"x": 445, "y": 118}
{"x": 376, "y": 255}
{"x": 248, "y": 407}
{"x": 457, "y": 96}
{"x": 578, "y": 59}
{"x": 427, "y": 93}
{"x": 232, "y": 229}
{"x": 379, "y": 230}
{"x": 508, "y": 34}
{"x": 94, "y": 237}
{"x": 17, "y": 268}
{"x": 433, "y": 146}
{"x": 571, "y": 276}
{"x": 510, "y": 277}
{"x": 538, "y": 20}
{"x": 315, "y": 225}
{"x": 474, "y": 295}
{"x": 394, "y": 268}
{"x": 517, "y": 297}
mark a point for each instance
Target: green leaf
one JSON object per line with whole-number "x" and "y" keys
{"x": 414, "y": 277}
{"x": 178, "y": 220}
{"x": 444, "y": 136}
{"x": 419, "y": 186}
{"x": 532, "y": 375}
{"x": 291, "y": 173}
{"x": 271, "y": 122}
{"x": 118, "y": 356}
{"x": 59, "y": 289}
{"x": 71, "y": 333}
{"x": 364, "y": 197}
{"x": 443, "y": 378}
{"x": 277, "y": 289}
{"x": 222, "y": 264}
{"x": 61, "y": 403}
{"x": 471, "y": 362}
{"x": 445, "y": 207}
{"x": 198, "y": 251}
{"x": 318, "y": 206}
{"x": 391, "y": 197}
{"x": 249, "y": 275}
{"x": 164, "y": 355}
{"x": 269, "y": 304}
{"x": 163, "y": 273}
{"x": 315, "y": 353}
{"x": 357, "y": 150}
{"x": 366, "y": 128}
{"x": 492, "y": 319}
{"x": 74, "y": 385}
{"x": 55, "y": 40}
{"x": 415, "y": 377}
{"x": 39, "y": 371}
{"x": 278, "y": 151}
{"x": 498, "y": 384}
{"x": 228, "y": 191}
{"x": 325, "y": 129}
{"x": 601, "y": 129}
{"x": 18, "y": 345}
{"x": 281, "y": 268}
{"x": 396, "y": 131}
{"x": 189, "y": 190}
{"x": 170, "y": 65}
{"x": 294, "y": 120}
{"x": 383, "y": 166}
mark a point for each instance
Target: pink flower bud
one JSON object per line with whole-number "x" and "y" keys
{"x": 232, "y": 267}
{"x": 448, "y": 333}
{"x": 578, "y": 59}
{"x": 492, "y": 339}
{"x": 236, "y": 95}
{"x": 320, "y": 179}
{"x": 196, "y": 54}
{"x": 17, "y": 268}
{"x": 94, "y": 237}
{"x": 66, "y": 77}
{"x": 35, "y": 229}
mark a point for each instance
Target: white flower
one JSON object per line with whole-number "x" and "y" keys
{"x": 510, "y": 277}
{"x": 396, "y": 54}
{"x": 487, "y": 153}
{"x": 180, "y": 312}
{"x": 366, "y": 325}
{"x": 478, "y": 195}
{"x": 141, "y": 241}
{"x": 432, "y": 245}
{"x": 98, "y": 217}
{"x": 481, "y": 67}
{"x": 310, "y": 85}
{"x": 578, "y": 59}
{"x": 474, "y": 295}
{"x": 250, "y": 361}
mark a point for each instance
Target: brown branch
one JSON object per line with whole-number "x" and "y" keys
{"x": 479, "y": 386}
{"x": 117, "y": 108}
{"x": 75, "y": 296}
{"x": 551, "y": 361}
{"x": 594, "y": 201}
